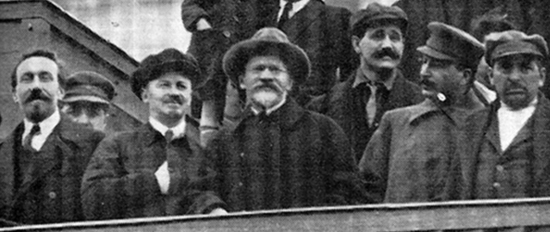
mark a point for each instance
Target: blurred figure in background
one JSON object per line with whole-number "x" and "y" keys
{"x": 88, "y": 99}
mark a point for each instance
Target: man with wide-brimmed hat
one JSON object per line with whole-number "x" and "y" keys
{"x": 357, "y": 105}
{"x": 409, "y": 156}
{"x": 504, "y": 148}
{"x": 88, "y": 98}
{"x": 159, "y": 169}
{"x": 279, "y": 155}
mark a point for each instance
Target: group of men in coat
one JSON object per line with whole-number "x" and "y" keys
{"x": 280, "y": 155}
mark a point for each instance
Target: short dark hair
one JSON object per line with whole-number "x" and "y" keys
{"x": 61, "y": 77}
{"x": 492, "y": 21}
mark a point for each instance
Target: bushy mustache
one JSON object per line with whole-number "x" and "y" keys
{"x": 173, "y": 98}
{"x": 37, "y": 94}
{"x": 386, "y": 52}
{"x": 268, "y": 84}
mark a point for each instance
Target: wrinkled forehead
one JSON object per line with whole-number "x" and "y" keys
{"x": 36, "y": 65}
{"x": 267, "y": 59}
{"x": 519, "y": 58}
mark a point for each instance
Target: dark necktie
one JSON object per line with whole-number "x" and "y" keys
{"x": 169, "y": 135}
{"x": 27, "y": 142}
{"x": 286, "y": 13}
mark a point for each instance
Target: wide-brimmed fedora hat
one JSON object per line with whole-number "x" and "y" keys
{"x": 263, "y": 43}
{"x": 88, "y": 86}
{"x": 169, "y": 60}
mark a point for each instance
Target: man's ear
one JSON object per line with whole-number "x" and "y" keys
{"x": 15, "y": 97}
{"x": 355, "y": 40}
{"x": 144, "y": 94}
{"x": 542, "y": 76}
{"x": 467, "y": 76}
{"x": 61, "y": 92}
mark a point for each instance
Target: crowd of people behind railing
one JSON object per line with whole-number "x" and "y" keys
{"x": 301, "y": 104}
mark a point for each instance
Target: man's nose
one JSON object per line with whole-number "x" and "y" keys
{"x": 386, "y": 42}
{"x": 515, "y": 75}
{"x": 266, "y": 74}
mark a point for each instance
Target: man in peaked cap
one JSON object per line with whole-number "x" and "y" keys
{"x": 357, "y": 105}
{"x": 88, "y": 98}
{"x": 159, "y": 169}
{"x": 506, "y": 155}
{"x": 408, "y": 158}
{"x": 279, "y": 155}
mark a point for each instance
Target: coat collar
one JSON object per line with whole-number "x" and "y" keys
{"x": 149, "y": 135}
{"x": 288, "y": 114}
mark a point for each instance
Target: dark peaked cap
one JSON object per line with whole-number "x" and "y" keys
{"x": 376, "y": 13}
{"x": 169, "y": 60}
{"x": 450, "y": 43}
{"x": 89, "y": 86}
{"x": 514, "y": 42}
{"x": 262, "y": 43}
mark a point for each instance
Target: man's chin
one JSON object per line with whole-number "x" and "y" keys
{"x": 266, "y": 99}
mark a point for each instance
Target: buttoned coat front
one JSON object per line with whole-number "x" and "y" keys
{"x": 120, "y": 179}
{"x": 410, "y": 158}
{"x": 475, "y": 133}
{"x": 307, "y": 162}
{"x": 50, "y": 190}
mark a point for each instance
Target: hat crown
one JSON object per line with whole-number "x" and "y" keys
{"x": 378, "y": 12}
{"x": 270, "y": 34}
{"x": 511, "y": 42}
{"x": 450, "y": 43}
{"x": 166, "y": 55}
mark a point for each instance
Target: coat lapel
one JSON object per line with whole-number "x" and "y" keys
{"x": 541, "y": 134}
{"x": 7, "y": 174}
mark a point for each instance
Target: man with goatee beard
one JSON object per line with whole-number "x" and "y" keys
{"x": 158, "y": 169}
{"x": 43, "y": 160}
{"x": 279, "y": 155}
{"x": 410, "y": 156}
{"x": 357, "y": 105}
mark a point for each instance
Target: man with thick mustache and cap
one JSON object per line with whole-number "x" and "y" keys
{"x": 504, "y": 151}
{"x": 279, "y": 155}
{"x": 88, "y": 99}
{"x": 409, "y": 157}
{"x": 357, "y": 105}
{"x": 158, "y": 169}
{"x": 42, "y": 161}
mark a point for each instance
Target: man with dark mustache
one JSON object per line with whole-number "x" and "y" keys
{"x": 159, "y": 169}
{"x": 410, "y": 156}
{"x": 377, "y": 85}
{"x": 43, "y": 160}
{"x": 504, "y": 150}
{"x": 279, "y": 155}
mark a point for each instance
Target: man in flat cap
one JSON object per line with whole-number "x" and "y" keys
{"x": 88, "y": 99}
{"x": 357, "y": 104}
{"x": 507, "y": 149}
{"x": 409, "y": 156}
{"x": 279, "y": 155}
{"x": 42, "y": 161}
{"x": 159, "y": 169}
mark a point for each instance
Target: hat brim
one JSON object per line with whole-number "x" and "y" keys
{"x": 144, "y": 75}
{"x": 434, "y": 53}
{"x": 236, "y": 58}
{"x": 85, "y": 98}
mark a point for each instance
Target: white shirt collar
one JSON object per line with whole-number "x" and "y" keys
{"x": 178, "y": 130}
{"x": 46, "y": 127}
{"x": 296, "y": 6}
{"x": 270, "y": 110}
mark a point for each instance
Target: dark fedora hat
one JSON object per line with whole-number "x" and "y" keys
{"x": 376, "y": 14}
{"x": 514, "y": 42}
{"x": 262, "y": 43}
{"x": 169, "y": 60}
{"x": 89, "y": 86}
{"x": 450, "y": 43}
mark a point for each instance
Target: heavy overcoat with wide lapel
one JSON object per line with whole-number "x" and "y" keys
{"x": 119, "y": 181}
{"x": 52, "y": 193}
{"x": 310, "y": 162}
